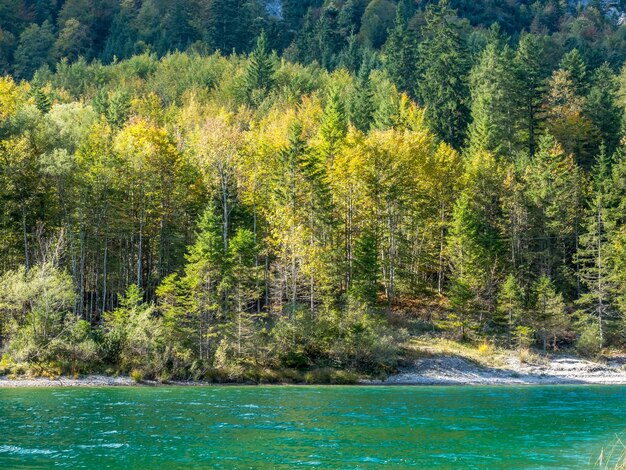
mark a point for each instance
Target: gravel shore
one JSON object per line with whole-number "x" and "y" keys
{"x": 551, "y": 370}
{"x": 89, "y": 381}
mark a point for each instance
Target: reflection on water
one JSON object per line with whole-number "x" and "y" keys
{"x": 326, "y": 427}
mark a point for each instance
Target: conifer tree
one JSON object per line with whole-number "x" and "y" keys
{"x": 574, "y": 64}
{"x": 361, "y": 101}
{"x": 334, "y": 125}
{"x": 443, "y": 86}
{"x": 243, "y": 276}
{"x": 565, "y": 119}
{"x": 400, "y": 53}
{"x": 594, "y": 251}
{"x": 531, "y": 72}
{"x": 492, "y": 85}
{"x": 365, "y": 284}
{"x": 123, "y": 36}
{"x": 259, "y": 75}
{"x": 205, "y": 280}
{"x": 549, "y": 318}
{"x": 555, "y": 194}
{"x": 510, "y": 306}
{"x": 601, "y": 107}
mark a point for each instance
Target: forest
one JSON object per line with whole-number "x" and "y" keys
{"x": 234, "y": 190}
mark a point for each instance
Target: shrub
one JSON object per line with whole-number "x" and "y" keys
{"x": 589, "y": 342}
{"x": 136, "y": 375}
{"x": 330, "y": 376}
{"x": 6, "y": 364}
{"x": 526, "y": 356}
{"x": 523, "y": 336}
{"x": 485, "y": 349}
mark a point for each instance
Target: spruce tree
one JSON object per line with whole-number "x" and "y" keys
{"x": 443, "y": 84}
{"x": 594, "y": 250}
{"x": 531, "y": 73}
{"x": 122, "y": 39}
{"x": 400, "y": 54}
{"x": 510, "y": 306}
{"x": 575, "y": 65}
{"x": 549, "y": 319}
{"x": 259, "y": 76}
{"x": 601, "y": 106}
{"x": 492, "y": 85}
{"x": 334, "y": 125}
{"x": 361, "y": 101}
{"x": 554, "y": 192}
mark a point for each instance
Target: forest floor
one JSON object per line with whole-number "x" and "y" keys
{"x": 443, "y": 362}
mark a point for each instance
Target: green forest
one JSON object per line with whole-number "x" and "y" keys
{"x": 232, "y": 190}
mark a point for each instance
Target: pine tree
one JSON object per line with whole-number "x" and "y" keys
{"x": 177, "y": 27}
{"x": 122, "y": 39}
{"x": 466, "y": 259}
{"x": 42, "y": 100}
{"x": 243, "y": 292}
{"x": 366, "y": 273}
{"x": 229, "y": 26}
{"x": 474, "y": 241}
{"x": 462, "y": 315}
{"x": 565, "y": 119}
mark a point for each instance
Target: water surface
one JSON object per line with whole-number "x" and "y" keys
{"x": 326, "y": 427}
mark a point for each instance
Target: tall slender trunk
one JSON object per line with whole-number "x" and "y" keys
{"x": 26, "y": 259}
{"x": 140, "y": 249}
{"x": 81, "y": 299}
{"x": 104, "y": 276}
{"x": 442, "y": 235}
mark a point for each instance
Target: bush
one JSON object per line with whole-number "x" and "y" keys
{"x": 589, "y": 343}
{"x": 6, "y": 364}
{"x": 136, "y": 375}
{"x": 526, "y": 356}
{"x": 330, "y": 376}
{"x": 485, "y": 349}
{"x": 523, "y": 336}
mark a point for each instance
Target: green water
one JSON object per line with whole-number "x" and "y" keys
{"x": 327, "y": 427}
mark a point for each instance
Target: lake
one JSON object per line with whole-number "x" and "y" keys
{"x": 327, "y": 427}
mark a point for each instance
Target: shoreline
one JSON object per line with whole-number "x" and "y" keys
{"x": 439, "y": 370}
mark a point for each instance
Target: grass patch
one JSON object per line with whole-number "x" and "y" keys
{"x": 614, "y": 456}
{"x": 526, "y": 356}
{"x": 484, "y": 354}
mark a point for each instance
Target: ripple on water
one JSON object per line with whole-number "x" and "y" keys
{"x": 25, "y": 451}
{"x": 110, "y": 445}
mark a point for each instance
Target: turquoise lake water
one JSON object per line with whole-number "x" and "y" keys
{"x": 325, "y": 427}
